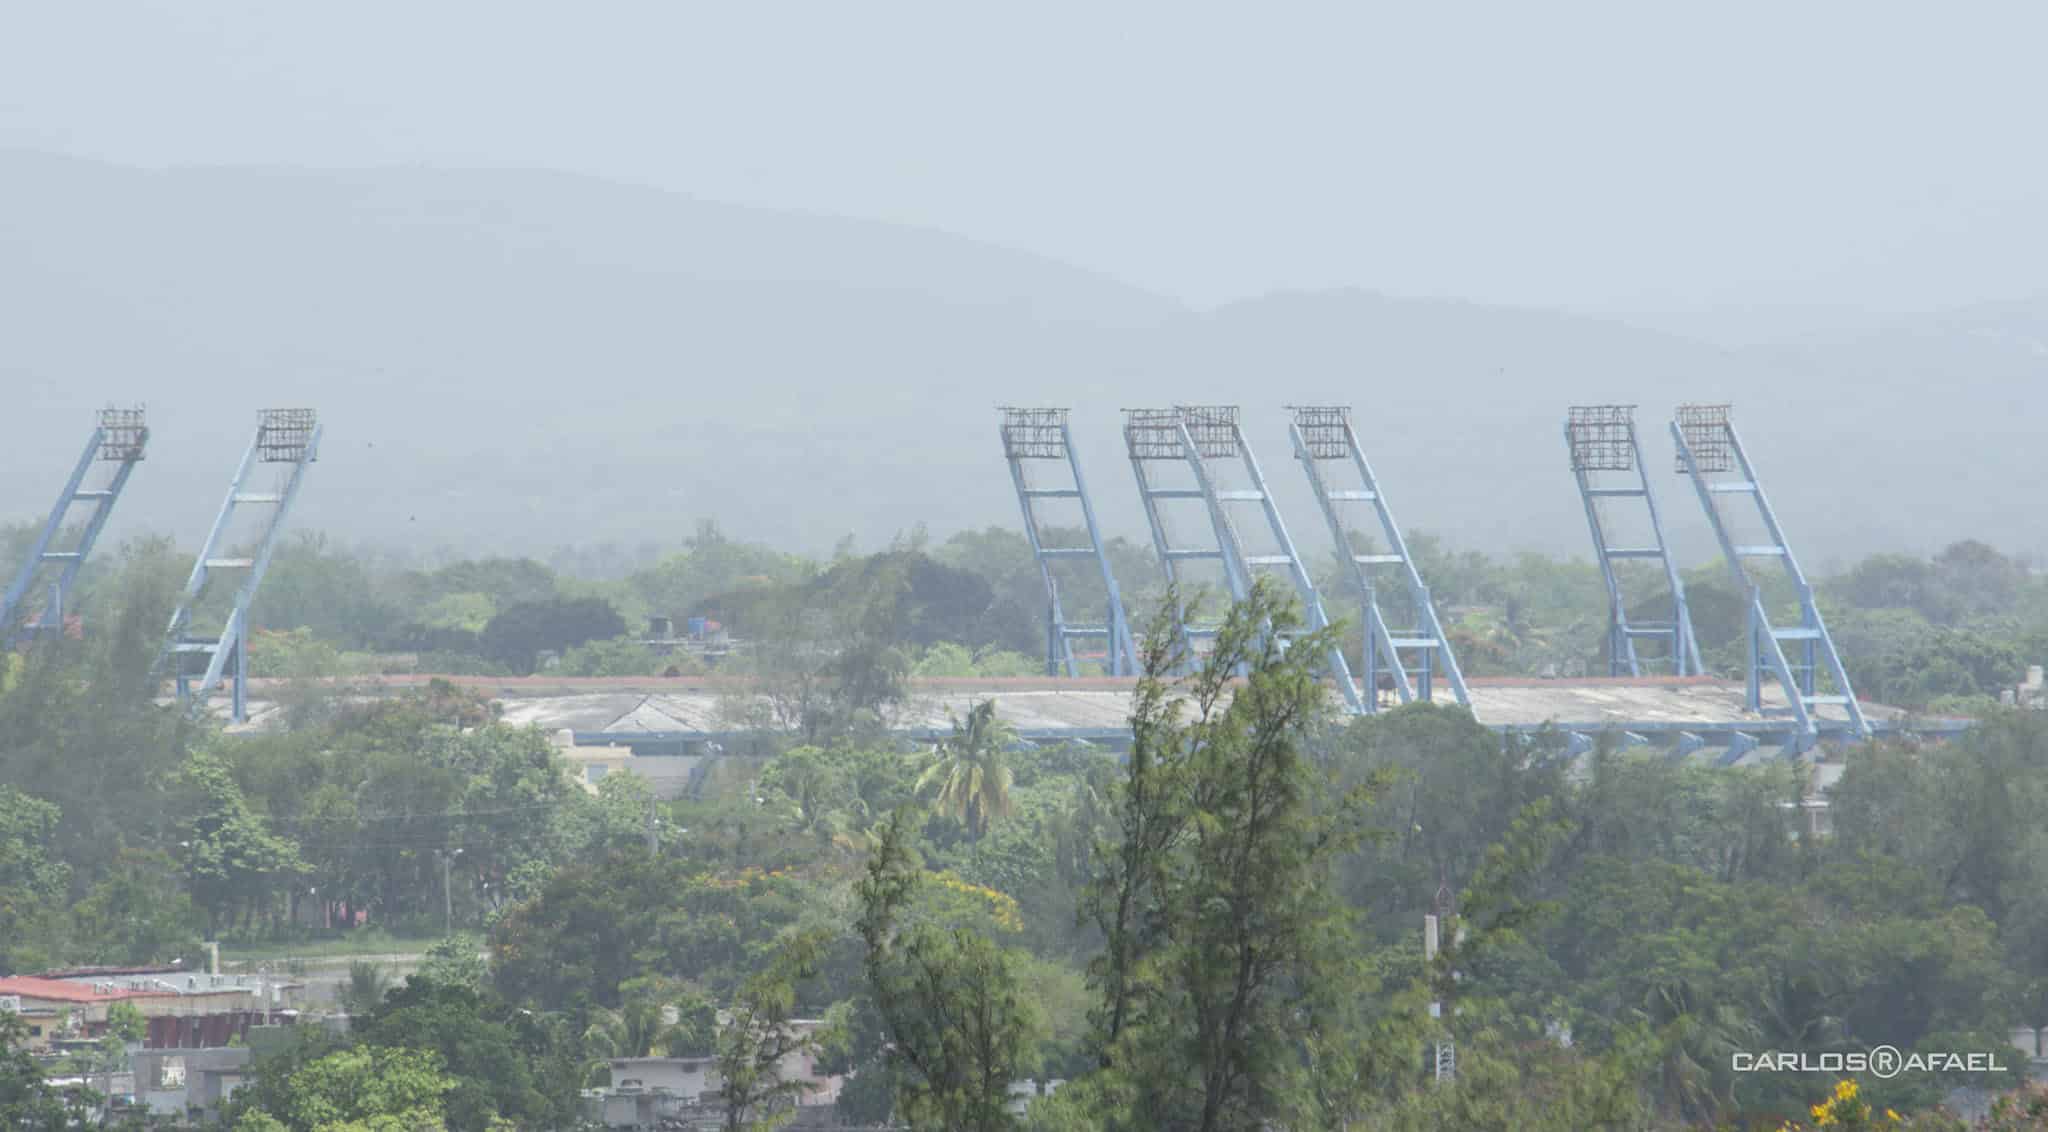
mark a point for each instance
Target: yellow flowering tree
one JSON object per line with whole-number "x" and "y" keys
{"x": 1845, "y": 1109}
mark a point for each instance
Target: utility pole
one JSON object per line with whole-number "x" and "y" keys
{"x": 448, "y": 892}
{"x": 653, "y": 830}
{"x": 1444, "y": 1065}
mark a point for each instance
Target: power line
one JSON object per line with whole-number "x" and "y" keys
{"x": 362, "y": 819}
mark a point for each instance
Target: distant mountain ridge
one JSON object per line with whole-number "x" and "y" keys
{"x": 512, "y": 361}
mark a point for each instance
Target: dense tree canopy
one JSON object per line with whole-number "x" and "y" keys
{"x": 1221, "y": 928}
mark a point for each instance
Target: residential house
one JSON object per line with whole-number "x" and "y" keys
{"x": 648, "y": 1092}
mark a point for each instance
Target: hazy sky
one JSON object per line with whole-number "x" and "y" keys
{"x": 1624, "y": 155}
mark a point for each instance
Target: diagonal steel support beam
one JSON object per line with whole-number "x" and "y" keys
{"x": 1603, "y": 439}
{"x": 1043, "y": 437}
{"x": 1411, "y": 655}
{"x": 283, "y": 436}
{"x": 121, "y": 439}
{"x": 1708, "y": 445}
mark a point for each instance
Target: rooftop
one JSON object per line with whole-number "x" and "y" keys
{"x": 592, "y": 707}
{"x": 59, "y": 990}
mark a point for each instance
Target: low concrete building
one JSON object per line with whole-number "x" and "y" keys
{"x": 648, "y": 1092}
{"x": 693, "y": 1078}
{"x": 1022, "y": 1093}
{"x": 667, "y": 776}
{"x": 2033, "y": 694}
{"x": 189, "y": 1083}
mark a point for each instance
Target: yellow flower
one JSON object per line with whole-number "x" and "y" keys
{"x": 1846, "y": 1091}
{"x": 1892, "y": 1116}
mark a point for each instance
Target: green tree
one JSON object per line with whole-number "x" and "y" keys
{"x": 125, "y": 1026}
{"x": 504, "y": 581}
{"x": 830, "y": 658}
{"x": 654, "y": 1013}
{"x": 812, "y": 780}
{"x": 232, "y": 861}
{"x": 329, "y": 592}
{"x": 456, "y": 961}
{"x": 574, "y": 944}
{"x": 959, "y": 1029}
{"x": 969, "y": 773}
{"x": 618, "y": 656}
{"x": 27, "y": 1101}
{"x": 368, "y": 983}
{"x": 759, "y": 1035}
{"x": 80, "y": 724}
{"x": 520, "y": 633}
{"x": 467, "y": 612}
{"x": 1216, "y": 904}
{"x": 1147, "y": 813}
{"x": 498, "y": 1066}
{"x": 139, "y": 913}
{"x": 711, "y": 565}
{"x": 31, "y": 884}
{"x": 361, "y": 1089}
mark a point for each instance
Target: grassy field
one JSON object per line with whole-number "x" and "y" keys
{"x": 358, "y": 944}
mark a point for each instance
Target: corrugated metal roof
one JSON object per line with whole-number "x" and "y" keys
{"x": 709, "y": 704}
{"x": 58, "y": 990}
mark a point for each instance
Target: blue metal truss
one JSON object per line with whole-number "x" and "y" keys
{"x": 120, "y": 439}
{"x": 1412, "y": 654}
{"x": 1602, "y": 438}
{"x": 1711, "y": 455}
{"x": 283, "y": 436}
{"x": 1042, "y": 436}
{"x": 1154, "y": 436}
{"x": 1197, "y": 435}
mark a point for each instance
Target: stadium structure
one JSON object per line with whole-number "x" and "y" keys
{"x": 237, "y": 550}
{"x": 1214, "y": 525}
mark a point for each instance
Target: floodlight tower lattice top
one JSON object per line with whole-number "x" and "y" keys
{"x": 283, "y": 436}
{"x": 1323, "y": 429}
{"x": 1602, "y": 438}
{"x": 124, "y": 433}
{"x": 1153, "y": 434}
{"x": 1705, "y": 431}
{"x": 1214, "y": 430}
{"x": 1034, "y": 434}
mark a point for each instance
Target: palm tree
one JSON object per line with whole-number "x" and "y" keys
{"x": 366, "y": 987}
{"x": 654, "y": 1013}
{"x": 973, "y": 784}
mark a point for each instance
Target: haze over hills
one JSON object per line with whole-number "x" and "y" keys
{"x": 514, "y": 361}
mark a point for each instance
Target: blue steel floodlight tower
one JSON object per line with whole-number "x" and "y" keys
{"x": 1041, "y": 435}
{"x": 1602, "y": 438}
{"x": 120, "y": 440}
{"x": 1322, "y": 434}
{"x": 1154, "y": 437}
{"x": 290, "y": 437}
{"x": 1708, "y": 447}
{"x": 1210, "y": 432}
